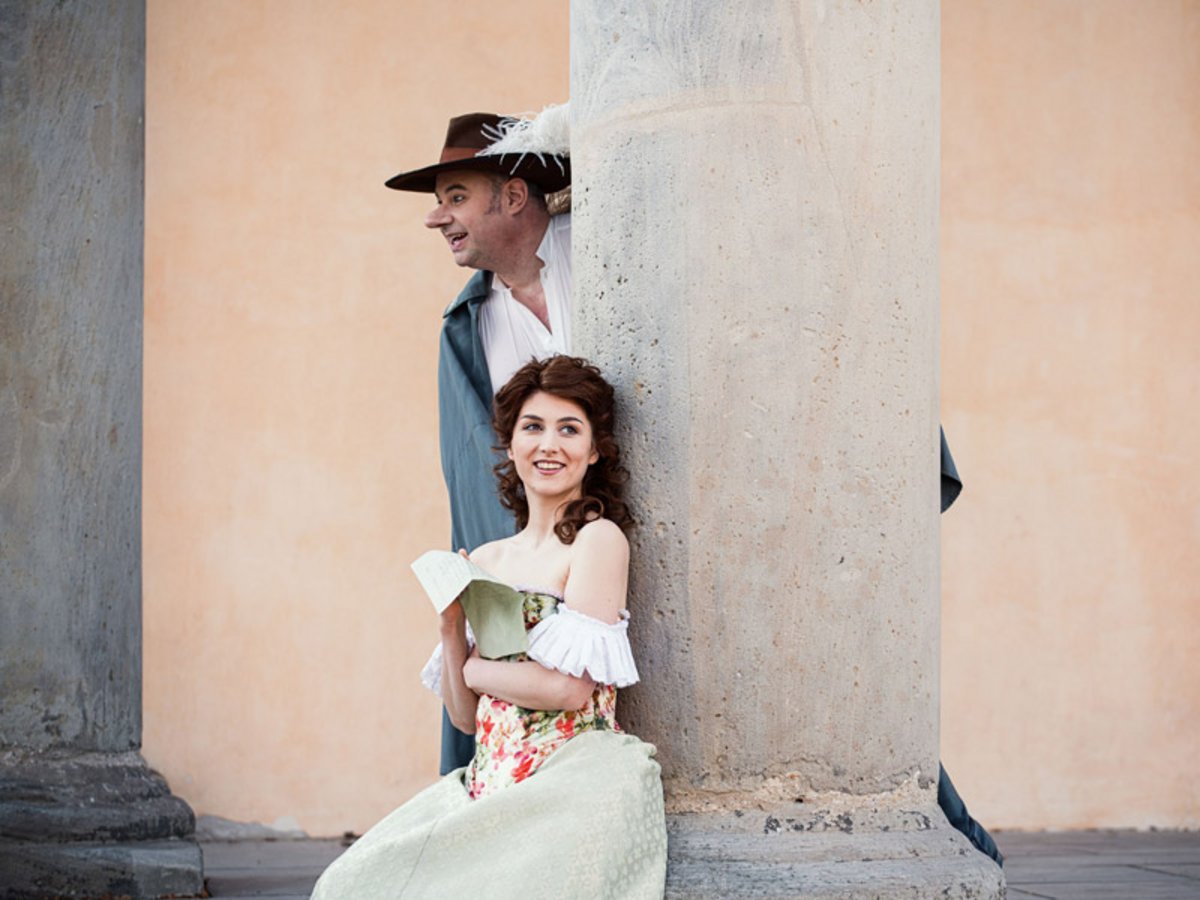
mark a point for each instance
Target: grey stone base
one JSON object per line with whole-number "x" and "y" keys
{"x": 93, "y": 825}
{"x": 141, "y": 869}
{"x": 768, "y": 855}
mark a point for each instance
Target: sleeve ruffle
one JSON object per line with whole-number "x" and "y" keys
{"x": 431, "y": 674}
{"x": 574, "y": 643}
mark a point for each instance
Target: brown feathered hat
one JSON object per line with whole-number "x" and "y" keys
{"x": 485, "y": 142}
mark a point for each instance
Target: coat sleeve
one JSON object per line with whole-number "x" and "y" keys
{"x": 951, "y": 483}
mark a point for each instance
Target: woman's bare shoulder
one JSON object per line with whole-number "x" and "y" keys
{"x": 602, "y": 536}
{"x": 490, "y": 553}
{"x": 600, "y": 546}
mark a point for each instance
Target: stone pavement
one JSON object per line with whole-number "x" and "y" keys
{"x": 281, "y": 870}
{"x": 1072, "y": 865}
{"x": 1097, "y": 865}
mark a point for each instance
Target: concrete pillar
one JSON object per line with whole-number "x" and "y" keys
{"x": 80, "y": 812}
{"x": 756, "y": 240}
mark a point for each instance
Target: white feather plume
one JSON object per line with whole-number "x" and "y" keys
{"x": 546, "y": 134}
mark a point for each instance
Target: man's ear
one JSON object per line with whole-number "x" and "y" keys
{"x": 516, "y": 194}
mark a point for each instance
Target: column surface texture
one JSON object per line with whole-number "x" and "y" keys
{"x": 755, "y": 241}
{"x": 80, "y": 812}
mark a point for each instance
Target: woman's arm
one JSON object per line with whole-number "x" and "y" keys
{"x": 528, "y": 684}
{"x": 459, "y": 699}
{"x": 599, "y": 577}
{"x": 595, "y": 587}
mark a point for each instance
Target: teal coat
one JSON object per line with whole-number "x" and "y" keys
{"x": 465, "y": 422}
{"x": 468, "y": 454}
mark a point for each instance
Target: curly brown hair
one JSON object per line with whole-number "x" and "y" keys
{"x": 577, "y": 380}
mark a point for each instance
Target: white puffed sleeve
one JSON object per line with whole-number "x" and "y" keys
{"x": 574, "y": 643}
{"x": 431, "y": 674}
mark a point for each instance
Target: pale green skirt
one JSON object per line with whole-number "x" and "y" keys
{"x": 588, "y": 824}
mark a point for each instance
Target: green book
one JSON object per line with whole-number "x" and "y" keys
{"x": 494, "y": 609}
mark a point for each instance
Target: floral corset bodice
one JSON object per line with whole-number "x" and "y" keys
{"x": 511, "y": 742}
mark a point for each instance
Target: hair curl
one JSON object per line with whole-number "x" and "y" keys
{"x": 574, "y": 379}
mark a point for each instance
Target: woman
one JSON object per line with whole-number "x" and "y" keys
{"x": 557, "y": 801}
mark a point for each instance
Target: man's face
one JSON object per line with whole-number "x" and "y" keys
{"x": 469, "y": 214}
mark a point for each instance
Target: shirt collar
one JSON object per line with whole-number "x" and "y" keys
{"x": 545, "y": 250}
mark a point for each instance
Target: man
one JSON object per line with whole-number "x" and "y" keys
{"x": 490, "y": 195}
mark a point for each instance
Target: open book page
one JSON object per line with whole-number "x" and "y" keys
{"x": 492, "y": 607}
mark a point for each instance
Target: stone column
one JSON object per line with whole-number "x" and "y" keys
{"x": 80, "y": 812}
{"x": 756, "y": 262}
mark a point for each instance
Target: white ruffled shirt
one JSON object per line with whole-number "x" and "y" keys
{"x": 570, "y": 642}
{"x": 512, "y": 335}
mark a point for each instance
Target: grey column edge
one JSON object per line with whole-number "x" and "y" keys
{"x": 81, "y": 813}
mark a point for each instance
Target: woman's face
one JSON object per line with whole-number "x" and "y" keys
{"x": 552, "y": 446}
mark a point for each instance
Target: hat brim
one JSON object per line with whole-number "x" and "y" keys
{"x": 547, "y": 175}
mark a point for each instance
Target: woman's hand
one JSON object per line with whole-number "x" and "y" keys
{"x": 471, "y": 669}
{"x": 451, "y": 619}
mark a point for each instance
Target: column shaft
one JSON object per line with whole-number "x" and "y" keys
{"x": 80, "y": 812}
{"x": 756, "y": 251}
{"x": 70, "y": 377}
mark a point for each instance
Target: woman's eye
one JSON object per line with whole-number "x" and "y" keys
{"x": 569, "y": 429}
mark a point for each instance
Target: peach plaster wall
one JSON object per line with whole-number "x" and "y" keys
{"x": 291, "y": 454}
{"x": 1070, "y": 380}
{"x": 291, "y": 462}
